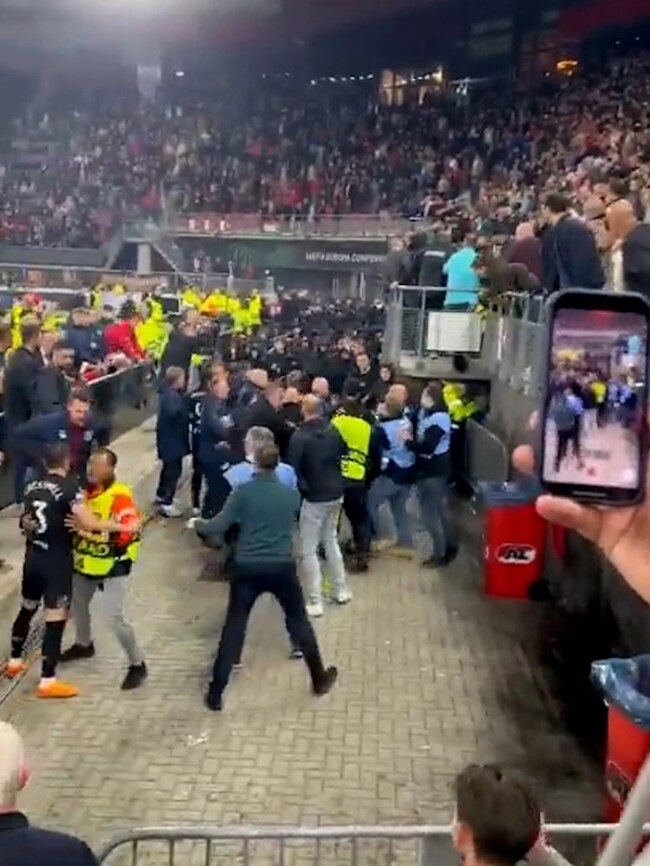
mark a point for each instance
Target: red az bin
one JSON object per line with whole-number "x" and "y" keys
{"x": 514, "y": 537}
{"x": 625, "y": 685}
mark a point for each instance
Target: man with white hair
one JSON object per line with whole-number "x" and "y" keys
{"x": 244, "y": 471}
{"x": 21, "y": 844}
{"x": 320, "y": 388}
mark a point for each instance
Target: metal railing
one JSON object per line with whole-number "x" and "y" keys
{"x": 486, "y": 456}
{"x": 426, "y": 845}
{"x": 513, "y": 343}
{"x": 346, "y": 225}
{"x": 506, "y": 336}
{"x": 28, "y": 278}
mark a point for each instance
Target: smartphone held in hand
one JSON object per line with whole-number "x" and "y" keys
{"x": 593, "y": 430}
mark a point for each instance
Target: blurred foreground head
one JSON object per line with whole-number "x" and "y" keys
{"x": 14, "y": 769}
{"x": 497, "y": 818}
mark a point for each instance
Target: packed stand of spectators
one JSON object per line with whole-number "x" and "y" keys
{"x": 93, "y": 171}
{"x": 313, "y": 153}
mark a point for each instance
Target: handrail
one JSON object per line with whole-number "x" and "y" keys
{"x": 345, "y": 225}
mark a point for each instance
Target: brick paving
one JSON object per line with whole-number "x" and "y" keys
{"x": 432, "y": 676}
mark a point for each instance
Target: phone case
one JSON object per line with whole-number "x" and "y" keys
{"x": 551, "y": 304}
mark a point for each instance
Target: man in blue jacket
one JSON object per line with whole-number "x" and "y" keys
{"x": 86, "y": 340}
{"x": 431, "y": 444}
{"x": 394, "y": 433}
{"x": 75, "y": 425}
{"x": 172, "y": 438}
{"x": 216, "y": 446}
{"x": 243, "y": 472}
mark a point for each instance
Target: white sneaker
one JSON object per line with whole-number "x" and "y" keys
{"x": 170, "y": 510}
{"x": 343, "y": 597}
{"x": 314, "y": 609}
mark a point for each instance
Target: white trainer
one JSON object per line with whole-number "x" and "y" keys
{"x": 344, "y": 597}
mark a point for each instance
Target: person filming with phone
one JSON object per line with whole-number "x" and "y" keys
{"x": 609, "y": 504}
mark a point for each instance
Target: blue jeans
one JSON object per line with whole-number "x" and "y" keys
{"x": 433, "y": 498}
{"x": 384, "y": 489}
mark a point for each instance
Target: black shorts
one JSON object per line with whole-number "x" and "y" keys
{"x": 47, "y": 577}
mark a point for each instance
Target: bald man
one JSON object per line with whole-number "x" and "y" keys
{"x": 399, "y": 394}
{"x": 526, "y": 249}
{"x": 621, "y": 219}
{"x": 631, "y": 249}
{"x": 315, "y": 452}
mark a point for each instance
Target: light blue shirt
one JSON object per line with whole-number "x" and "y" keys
{"x": 462, "y": 281}
{"x": 243, "y": 472}
{"x": 634, "y": 345}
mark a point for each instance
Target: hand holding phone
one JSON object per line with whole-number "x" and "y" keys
{"x": 593, "y": 418}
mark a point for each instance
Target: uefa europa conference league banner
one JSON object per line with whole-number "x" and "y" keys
{"x": 313, "y": 254}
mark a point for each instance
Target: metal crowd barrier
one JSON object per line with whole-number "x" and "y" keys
{"x": 346, "y": 225}
{"x": 123, "y": 400}
{"x": 486, "y": 456}
{"x": 426, "y": 845}
{"x": 59, "y": 278}
{"x": 506, "y": 336}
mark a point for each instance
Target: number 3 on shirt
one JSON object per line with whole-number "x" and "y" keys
{"x": 40, "y": 516}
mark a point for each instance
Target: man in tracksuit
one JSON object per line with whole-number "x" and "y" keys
{"x": 196, "y": 399}
{"x": 215, "y": 452}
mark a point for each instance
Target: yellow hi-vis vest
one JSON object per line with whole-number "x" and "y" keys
{"x": 453, "y": 398}
{"x": 356, "y": 433}
{"x": 95, "y": 554}
{"x": 16, "y": 323}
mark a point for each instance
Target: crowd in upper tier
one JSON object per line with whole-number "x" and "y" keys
{"x": 327, "y": 152}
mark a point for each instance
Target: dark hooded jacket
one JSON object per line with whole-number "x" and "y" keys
{"x": 315, "y": 452}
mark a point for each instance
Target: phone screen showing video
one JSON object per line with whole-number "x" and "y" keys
{"x": 595, "y": 400}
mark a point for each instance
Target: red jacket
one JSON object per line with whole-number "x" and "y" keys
{"x": 120, "y": 337}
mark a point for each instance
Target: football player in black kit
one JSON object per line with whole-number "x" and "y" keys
{"x": 196, "y": 402}
{"x": 48, "y": 505}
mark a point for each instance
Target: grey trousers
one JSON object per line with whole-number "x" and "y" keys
{"x": 112, "y": 598}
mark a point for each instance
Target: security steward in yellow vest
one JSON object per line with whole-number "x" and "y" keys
{"x": 455, "y": 398}
{"x": 103, "y": 563}
{"x": 358, "y": 467}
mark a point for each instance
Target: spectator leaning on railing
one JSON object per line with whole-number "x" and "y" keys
{"x": 74, "y": 424}
{"x": 120, "y": 336}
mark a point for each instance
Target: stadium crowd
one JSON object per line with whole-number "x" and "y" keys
{"x": 290, "y": 418}
{"x": 312, "y": 154}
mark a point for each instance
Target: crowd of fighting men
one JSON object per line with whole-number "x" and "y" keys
{"x": 292, "y": 393}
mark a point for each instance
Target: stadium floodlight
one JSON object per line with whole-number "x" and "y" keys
{"x": 179, "y": 73}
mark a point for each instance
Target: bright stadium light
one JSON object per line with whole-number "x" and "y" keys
{"x": 179, "y": 73}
